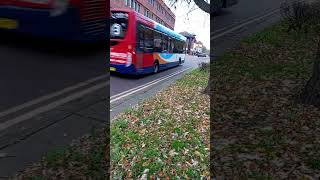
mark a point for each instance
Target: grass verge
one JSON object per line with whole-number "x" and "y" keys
{"x": 166, "y": 136}
{"x": 259, "y": 131}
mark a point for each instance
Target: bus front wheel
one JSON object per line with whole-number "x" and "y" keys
{"x": 156, "y": 67}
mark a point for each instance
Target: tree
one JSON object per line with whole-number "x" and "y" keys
{"x": 204, "y": 6}
{"x": 300, "y": 15}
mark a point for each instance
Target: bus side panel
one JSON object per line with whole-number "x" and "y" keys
{"x": 148, "y": 60}
{"x": 166, "y": 60}
{"x": 39, "y": 23}
{"x": 182, "y": 57}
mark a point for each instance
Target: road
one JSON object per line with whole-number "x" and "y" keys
{"x": 31, "y": 68}
{"x": 243, "y": 10}
{"x": 119, "y": 83}
{"x": 37, "y": 68}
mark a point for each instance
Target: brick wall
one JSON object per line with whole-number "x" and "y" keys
{"x": 162, "y": 15}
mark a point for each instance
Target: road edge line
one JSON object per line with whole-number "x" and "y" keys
{"x": 50, "y": 106}
{"x": 134, "y": 90}
{"x": 244, "y": 24}
{"x": 49, "y": 96}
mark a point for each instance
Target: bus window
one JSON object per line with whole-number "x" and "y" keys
{"x": 172, "y": 45}
{"x": 170, "y": 50}
{"x": 148, "y": 40}
{"x": 118, "y": 25}
{"x": 179, "y": 46}
{"x": 176, "y": 46}
{"x": 183, "y": 47}
{"x": 140, "y": 39}
{"x": 164, "y": 44}
{"x": 157, "y": 42}
{"x": 145, "y": 40}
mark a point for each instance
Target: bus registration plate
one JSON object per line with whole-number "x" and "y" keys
{"x": 8, "y": 23}
{"x": 112, "y": 69}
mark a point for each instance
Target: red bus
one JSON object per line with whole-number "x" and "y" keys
{"x": 80, "y": 20}
{"x": 139, "y": 45}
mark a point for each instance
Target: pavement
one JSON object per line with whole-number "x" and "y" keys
{"x": 52, "y": 95}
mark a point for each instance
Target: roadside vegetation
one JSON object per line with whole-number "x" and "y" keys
{"x": 262, "y": 128}
{"x": 166, "y": 136}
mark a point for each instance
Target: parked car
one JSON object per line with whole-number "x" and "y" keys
{"x": 201, "y": 55}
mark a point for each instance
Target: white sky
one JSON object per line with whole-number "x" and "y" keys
{"x": 196, "y": 22}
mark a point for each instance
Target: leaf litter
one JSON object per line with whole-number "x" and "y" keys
{"x": 258, "y": 129}
{"x": 170, "y": 126}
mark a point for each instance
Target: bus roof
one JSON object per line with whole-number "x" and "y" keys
{"x": 153, "y": 24}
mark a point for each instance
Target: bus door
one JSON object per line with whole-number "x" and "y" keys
{"x": 174, "y": 57}
{"x": 140, "y": 48}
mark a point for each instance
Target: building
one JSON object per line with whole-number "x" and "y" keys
{"x": 191, "y": 39}
{"x": 154, "y": 9}
{"x": 197, "y": 47}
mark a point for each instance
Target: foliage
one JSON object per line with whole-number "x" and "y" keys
{"x": 258, "y": 130}
{"x": 300, "y": 15}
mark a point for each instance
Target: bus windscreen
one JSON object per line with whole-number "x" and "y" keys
{"x": 118, "y": 25}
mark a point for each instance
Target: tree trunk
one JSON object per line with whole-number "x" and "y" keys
{"x": 311, "y": 92}
{"x": 207, "y": 89}
{"x": 203, "y": 5}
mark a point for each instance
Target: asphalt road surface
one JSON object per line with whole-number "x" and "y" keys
{"x": 32, "y": 68}
{"x": 121, "y": 83}
{"x": 241, "y": 11}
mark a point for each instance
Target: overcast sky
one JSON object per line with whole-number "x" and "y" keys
{"x": 197, "y": 21}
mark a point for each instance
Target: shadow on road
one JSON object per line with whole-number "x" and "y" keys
{"x": 127, "y": 76}
{"x": 51, "y": 46}
{"x": 223, "y": 12}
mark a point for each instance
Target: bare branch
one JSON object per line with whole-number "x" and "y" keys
{"x": 203, "y": 5}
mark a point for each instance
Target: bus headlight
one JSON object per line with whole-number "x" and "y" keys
{"x": 59, "y": 7}
{"x": 129, "y": 59}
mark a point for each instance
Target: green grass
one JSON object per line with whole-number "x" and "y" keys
{"x": 53, "y": 157}
{"x": 160, "y": 147}
{"x": 71, "y": 158}
{"x": 290, "y": 49}
{"x": 314, "y": 163}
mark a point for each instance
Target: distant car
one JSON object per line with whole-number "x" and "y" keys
{"x": 201, "y": 55}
